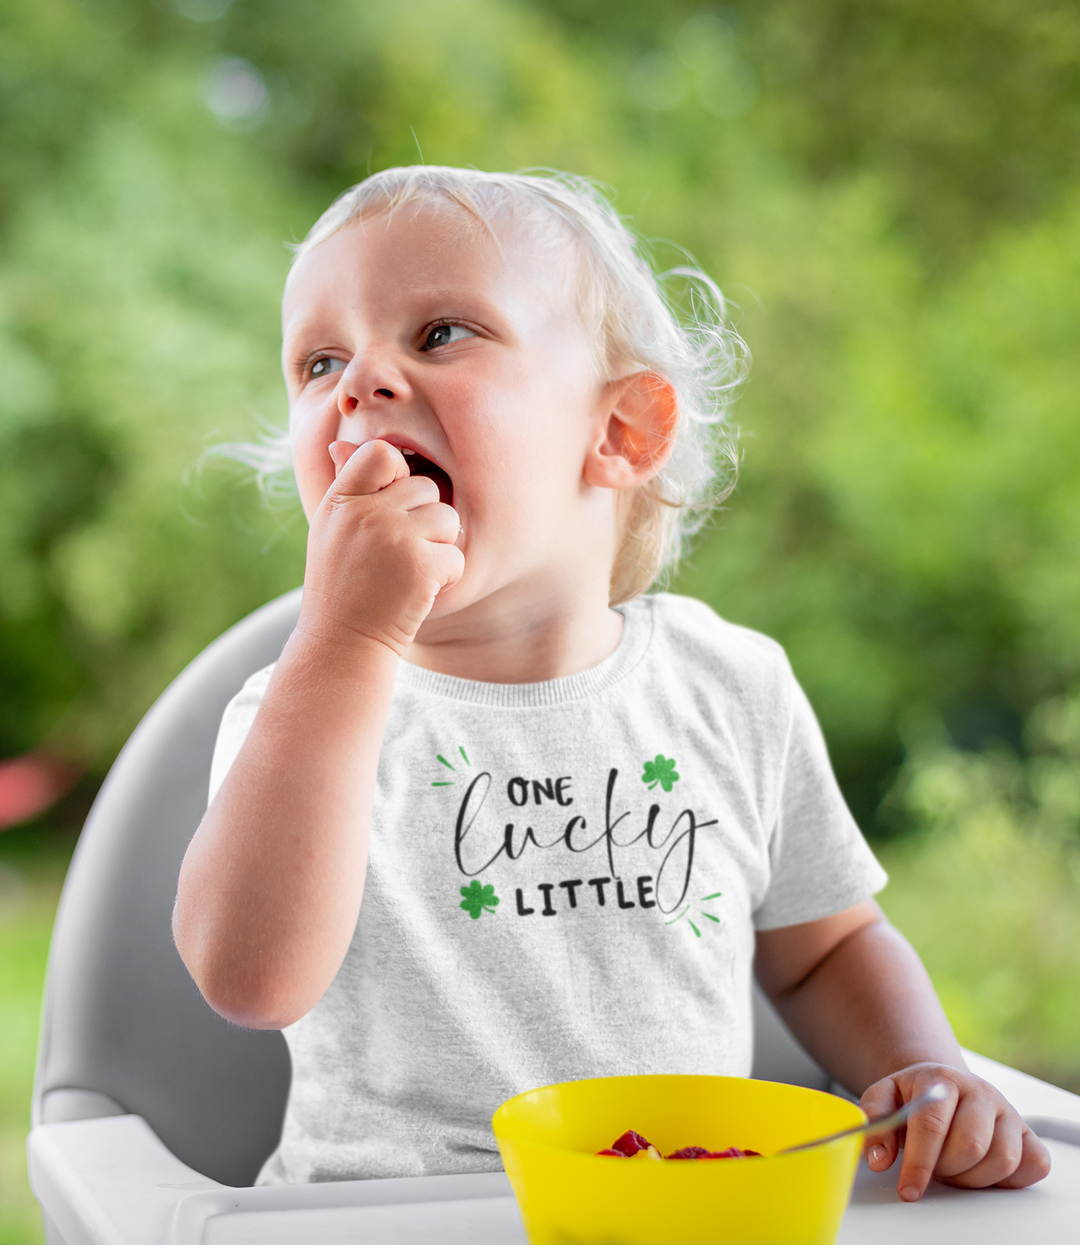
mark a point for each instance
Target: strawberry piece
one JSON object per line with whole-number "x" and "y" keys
{"x": 699, "y": 1153}
{"x": 630, "y": 1143}
{"x": 691, "y": 1152}
{"x": 633, "y": 1145}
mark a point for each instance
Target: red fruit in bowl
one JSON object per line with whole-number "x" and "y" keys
{"x": 699, "y": 1153}
{"x": 630, "y": 1143}
{"x": 633, "y": 1145}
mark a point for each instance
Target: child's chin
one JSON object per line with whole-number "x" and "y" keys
{"x": 447, "y": 602}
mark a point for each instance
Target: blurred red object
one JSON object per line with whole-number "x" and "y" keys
{"x": 30, "y": 784}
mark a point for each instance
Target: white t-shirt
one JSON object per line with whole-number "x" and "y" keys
{"x": 564, "y": 881}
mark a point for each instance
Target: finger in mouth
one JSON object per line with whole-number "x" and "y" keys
{"x": 421, "y": 466}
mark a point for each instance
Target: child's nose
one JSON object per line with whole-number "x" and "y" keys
{"x": 369, "y": 382}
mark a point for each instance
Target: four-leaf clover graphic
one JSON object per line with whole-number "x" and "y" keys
{"x": 661, "y": 771}
{"x": 477, "y": 899}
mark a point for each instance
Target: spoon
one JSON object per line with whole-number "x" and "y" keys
{"x": 883, "y": 1123}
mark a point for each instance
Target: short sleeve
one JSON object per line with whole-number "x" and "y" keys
{"x": 235, "y": 723}
{"x": 820, "y": 863}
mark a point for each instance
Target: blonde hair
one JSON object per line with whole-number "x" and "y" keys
{"x": 673, "y": 324}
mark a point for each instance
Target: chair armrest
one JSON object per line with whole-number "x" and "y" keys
{"x": 108, "y": 1181}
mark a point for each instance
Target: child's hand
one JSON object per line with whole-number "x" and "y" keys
{"x": 973, "y": 1138}
{"x": 380, "y": 549}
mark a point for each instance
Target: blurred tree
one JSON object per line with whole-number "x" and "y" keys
{"x": 969, "y": 111}
{"x": 998, "y": 855}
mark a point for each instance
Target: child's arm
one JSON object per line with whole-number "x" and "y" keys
{"x": 858, "y": 998}
{"x": 270, "y": 887}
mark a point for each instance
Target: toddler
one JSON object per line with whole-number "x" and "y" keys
{"x": 496, "y": 818}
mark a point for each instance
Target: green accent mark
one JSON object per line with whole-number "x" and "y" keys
{"x": 662, "y": 771}
{"x": 708, "y": 916}
{"x": 477, "y": 899}
{"x": 450, "y": 766}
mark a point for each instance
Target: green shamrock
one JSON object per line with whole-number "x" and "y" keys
{"x": 661, "y": 771}
{"x": 479, "y": 898}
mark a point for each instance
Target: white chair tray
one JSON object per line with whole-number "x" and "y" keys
{"x": 112, "y": 1182}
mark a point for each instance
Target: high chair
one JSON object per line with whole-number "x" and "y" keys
{"x": 151, "y": 1115}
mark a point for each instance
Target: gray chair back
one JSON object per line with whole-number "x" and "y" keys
{"x": 124, "y": 1029}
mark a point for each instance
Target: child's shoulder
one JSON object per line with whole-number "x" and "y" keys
{"x": 688, "y": 620}
{"x": 696, "y": 640}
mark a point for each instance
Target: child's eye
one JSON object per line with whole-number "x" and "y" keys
{"x": 445, "y": 334}
{"x": 324, "y": 365}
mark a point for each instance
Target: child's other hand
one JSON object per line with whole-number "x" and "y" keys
{"x": 380, "y": 549}
{"x": 973, "y": 1138}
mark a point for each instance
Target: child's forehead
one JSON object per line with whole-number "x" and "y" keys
{"x": 429, "y": 249}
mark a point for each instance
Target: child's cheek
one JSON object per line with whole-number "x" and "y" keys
{"x": 312, "y": 434}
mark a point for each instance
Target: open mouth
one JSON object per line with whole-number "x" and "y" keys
{"x": 421, "y": 466}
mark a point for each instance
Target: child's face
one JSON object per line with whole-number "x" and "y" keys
{"x": 418, "y": 329}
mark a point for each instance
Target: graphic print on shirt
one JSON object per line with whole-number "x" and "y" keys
{"x": 483, "y": 837}
{"x": 661, "y": 771}
{"x": 450, "y": 782}
{"x": 478, "y": 899}
{"x": 708, "y": 916}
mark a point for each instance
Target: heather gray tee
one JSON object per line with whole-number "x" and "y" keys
{"x": 564, "y": 881}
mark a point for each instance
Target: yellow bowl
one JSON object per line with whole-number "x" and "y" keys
{"x": 568, "y": 1195}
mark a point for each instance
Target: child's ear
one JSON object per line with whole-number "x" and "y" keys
{"x": 635, "y": 431}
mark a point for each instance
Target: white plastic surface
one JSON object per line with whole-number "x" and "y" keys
{"x": 108, "y": 1181}
{"x": 112, "y": 1182}
{"x": 1046, "y": 1214}
{"x": 490, "y": 1221}
{"x": 479, "y": 1209}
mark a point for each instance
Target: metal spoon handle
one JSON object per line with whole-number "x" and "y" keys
{"x": 883, "y": 1123}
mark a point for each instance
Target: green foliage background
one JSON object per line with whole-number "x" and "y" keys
{"x": 889, "y": 192}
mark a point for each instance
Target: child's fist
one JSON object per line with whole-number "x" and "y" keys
{"x": 380, "y": 549}
{"x": 972, "y": 1138}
